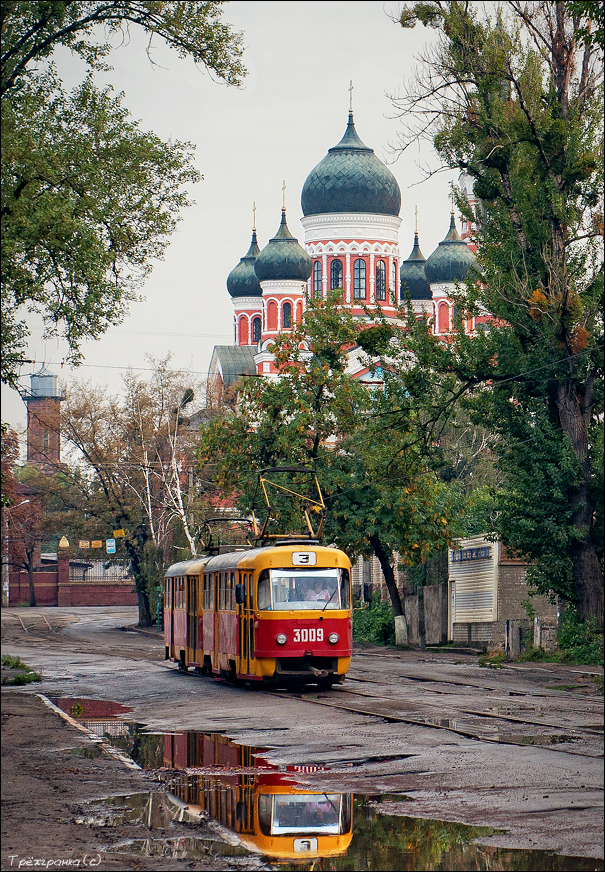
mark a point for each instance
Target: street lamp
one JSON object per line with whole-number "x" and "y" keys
{"x": 5, "y": 552}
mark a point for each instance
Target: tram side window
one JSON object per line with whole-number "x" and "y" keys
{"x": 167, "y": 603}
{"x": 246, "y": 581}
{"x": 264, "y": 590}
{"x": 221, "y": 590}
{"x": 232, "y": 591}
{"x": 345, "y": 589}
{"x": 180, "y": 594}
{"x": 207, "y": 601}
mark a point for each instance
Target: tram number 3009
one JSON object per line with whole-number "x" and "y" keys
{"x": 310, "y": 634}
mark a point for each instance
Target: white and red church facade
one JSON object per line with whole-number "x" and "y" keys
{"x": 350, "y": 203}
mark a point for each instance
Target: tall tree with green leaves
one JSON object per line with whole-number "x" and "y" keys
{"x": 515, "y": 102}
{"x": 382, "y": 497}
{"x": 88, "y": 199}
{"x": 32, "y": 29}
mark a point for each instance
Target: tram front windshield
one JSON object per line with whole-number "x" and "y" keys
{"x": 287, "y": 589}
{"x": 301, "y": 813}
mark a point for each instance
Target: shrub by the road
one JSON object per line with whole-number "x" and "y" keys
{"x": 20, "y": 673}
{"x": 374, "y": 622}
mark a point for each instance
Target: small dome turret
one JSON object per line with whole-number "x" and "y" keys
{"x": 350, "y": 178}
{"x": 412, "y": 275}
{"x": 282, "y": 258}
{"x": 451, "y": 260}
{"x": 242, "y": 280}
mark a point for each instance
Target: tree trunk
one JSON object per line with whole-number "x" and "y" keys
{"x": 140, "y": 576}
{"x": 30, "y": 579}
{"x": 587, "y": 573}
{"x": 145, "y": 619}
{"x": 389, "y": 576}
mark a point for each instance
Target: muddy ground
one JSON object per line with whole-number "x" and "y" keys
{"x": 45, "y": 784}
{"x": 50, "y": 769}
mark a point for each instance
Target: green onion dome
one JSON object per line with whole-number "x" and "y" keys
{"x": 242, "y": 280}
{"x": 350, "y": 178}
{"x": 282, "y": 258}
{"x": 451, "y": 260}
{"x": 413, "y": 276}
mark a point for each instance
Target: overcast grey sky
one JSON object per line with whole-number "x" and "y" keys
{"x": 292, "y": 108}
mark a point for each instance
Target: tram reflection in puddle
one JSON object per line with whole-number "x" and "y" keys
{"x": 265, "y": 806}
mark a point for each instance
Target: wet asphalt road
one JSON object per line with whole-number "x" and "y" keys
{"x": 519, "y": 749}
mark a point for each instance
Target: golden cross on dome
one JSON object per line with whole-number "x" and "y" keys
{"x": 283, "y": 187}
{"x": 351, "y": 95}
{"x": 254, "y": 216}
{"x": 416, "y": 219}
{"x": 452, "y": 195}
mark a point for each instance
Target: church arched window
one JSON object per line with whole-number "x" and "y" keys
{"x": 359, "y": 279}
{"x": 243, "y": 331}
{"x": 444, "y": 318}
{"x": 271, "y": 315}
{"x": 317, "y": 279}
{"x": 287, "y": 315}
{"x": 256, "y": 330}
{"x": 381, "y": 280}
{"x": 335, "y": 274}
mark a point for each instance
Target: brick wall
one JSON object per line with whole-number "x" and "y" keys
{"x": 43, "y": 429}
{"x": 512, "y": 591}
{"x": 99, "y": 594}
{"x": 45, "y": 584}
{"x": 53, "y": 588}
{"x": 476, "y": 634}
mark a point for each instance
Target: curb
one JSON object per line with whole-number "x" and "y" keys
{"x": 124, "y": 759}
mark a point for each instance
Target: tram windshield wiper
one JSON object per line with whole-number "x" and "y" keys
{"x": 330, "y": 600}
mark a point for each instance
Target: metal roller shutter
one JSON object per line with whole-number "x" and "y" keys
{"x": 475, "y": 577}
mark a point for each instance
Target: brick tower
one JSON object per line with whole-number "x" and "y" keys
{"x": 43, "y": 419}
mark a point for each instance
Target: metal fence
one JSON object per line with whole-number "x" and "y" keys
{"x": 100, "y": 570}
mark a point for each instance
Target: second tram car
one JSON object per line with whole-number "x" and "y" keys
{"x": 278, "y": 615}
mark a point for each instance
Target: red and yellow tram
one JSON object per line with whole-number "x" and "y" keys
{"x": 278, "y": 615}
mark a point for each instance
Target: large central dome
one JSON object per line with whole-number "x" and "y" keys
{"x": 351, "y": 178}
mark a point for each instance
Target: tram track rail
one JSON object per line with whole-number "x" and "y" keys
{"x": 565, "y": 736}
{"x": 33, "y": 615}
{"x": 485, "y": 714}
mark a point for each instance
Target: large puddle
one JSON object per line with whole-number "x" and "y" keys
{"x": 275, "y": 816}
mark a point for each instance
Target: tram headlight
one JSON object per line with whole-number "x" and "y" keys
{"x": 281, "y": 638}
{"x": 333, "y": 638}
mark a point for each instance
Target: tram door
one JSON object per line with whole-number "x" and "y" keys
{"x": 217, "y": 605}
{"x": 192, "y": 620}
{"x": 169, "y": 607}
{"x": 246, "y": 623}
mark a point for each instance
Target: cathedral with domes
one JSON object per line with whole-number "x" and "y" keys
{"x": 350, "y": 203}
